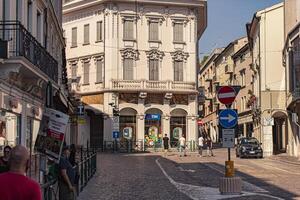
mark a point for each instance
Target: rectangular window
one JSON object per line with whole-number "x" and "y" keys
{"x": 153, "y": 70}
{"x": 296, "y": 64}
{"x": 86, "y": 73}
{"x": 29, "y": 16}
{"x": 99, "y": 68}
{"x": 178, "y": 71}
{"x": 19, "y": 10}
{"x": 74, "y": 37}
{"x": 39, "y": 26}
{"x": 86, "y": 39}
{"x": 128, "y": 30}
{"x": 178, "y": 32}
{"x": 74, "y": 72}
{"x": 128, "y": 69}
{"x": 153, "y": 31}
{"x": 99, "y": 31}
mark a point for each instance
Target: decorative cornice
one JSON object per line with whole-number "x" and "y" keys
{"x": 99, "y": 57}
{"x": 155, "y": 18}
{"x": 182, "y": 20}
{"x": 155, "y": 54}
{"x": 179, "y": 56}
{"x": 130, "y": 53}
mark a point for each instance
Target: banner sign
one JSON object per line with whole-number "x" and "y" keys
{"x": 152, "y": 117}
{"x": 51, "y": 133}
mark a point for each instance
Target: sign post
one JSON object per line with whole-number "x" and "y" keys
{"x": 228, "y": 119}
{"x": 116, "y": 130}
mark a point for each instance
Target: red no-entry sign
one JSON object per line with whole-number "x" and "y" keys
{"x": 226, "y": 95}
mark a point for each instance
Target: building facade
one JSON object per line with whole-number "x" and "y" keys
{"x": 243, "y": 76}
{"x": 265, "y": 34}
{"x": 291, "y": 61}
{"x": 139, "y": 58}
{"x": 209, "y": 108}
{"x": 32, "y": 62}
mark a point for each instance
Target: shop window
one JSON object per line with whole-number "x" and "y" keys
{"x": 153, "y": 135}
{"x": 9, "y": 129}
{"x": 177, "y": 128}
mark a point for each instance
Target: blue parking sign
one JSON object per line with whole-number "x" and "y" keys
{"x": 116, "y": 134}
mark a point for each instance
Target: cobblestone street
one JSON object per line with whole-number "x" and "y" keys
{"x": 152, "y": 176}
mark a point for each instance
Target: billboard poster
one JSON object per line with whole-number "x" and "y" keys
{"x": 51, "y": 133}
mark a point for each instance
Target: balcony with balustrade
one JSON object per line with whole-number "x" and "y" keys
{"x": 154, "y": 86}
{"x": 34, "y": 59}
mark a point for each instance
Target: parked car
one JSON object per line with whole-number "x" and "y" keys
{"x": 249, "y": 147}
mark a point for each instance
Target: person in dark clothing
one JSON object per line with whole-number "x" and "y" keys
{"x": 72, "y": 157}
{"x": 66, "y": 182}
{"x": 4, "y": 167}
{"x": 166, "y": 144}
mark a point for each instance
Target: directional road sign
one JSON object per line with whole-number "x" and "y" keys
{"x": 228, "y": 118}
{"x": 226, "y": 95}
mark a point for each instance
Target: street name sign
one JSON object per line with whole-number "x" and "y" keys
{"x": 228, "y": 138}
{"x": 228, "y": 118}
{"x": 226, "y": 94}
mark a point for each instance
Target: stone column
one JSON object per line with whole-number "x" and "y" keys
{"x": 140, "y": 127}
{"x": 166, "y": 125}
{"x": 268, "y": 140}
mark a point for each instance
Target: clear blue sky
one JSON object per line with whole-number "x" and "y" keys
{"x": 227, "y": 21}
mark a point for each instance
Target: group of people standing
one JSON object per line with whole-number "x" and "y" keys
{"x": 15, "y": 185}
{"x": 203, "y": 142}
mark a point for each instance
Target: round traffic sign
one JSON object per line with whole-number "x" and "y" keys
{"x": 228, "y": 118}
{"x": 200, "y": 122}
{"x": 226, "y": 95}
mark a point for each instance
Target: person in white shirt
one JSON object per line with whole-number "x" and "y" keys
{"x": 200, "y": 145}
{"x": 182, "y": 146}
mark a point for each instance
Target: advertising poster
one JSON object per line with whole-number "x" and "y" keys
{"x": 51, "y": 133}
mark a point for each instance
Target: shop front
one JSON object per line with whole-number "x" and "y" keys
{"x": 153, "y": 131}
{"x": 177, "y": 126}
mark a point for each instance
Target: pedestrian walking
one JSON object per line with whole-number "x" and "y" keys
{"x": 182, "y": 145}
{"x": 66, "y": 181}
{"x": 166, "y": 144}
{"x": 200, "y": 145}
{"x": 14, "y": 184}
{"x": 4, "y": 159}
{"x": 209, "y": 147}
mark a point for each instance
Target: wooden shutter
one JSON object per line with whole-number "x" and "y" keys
{"x": 128, "y": 69}
{"x": 74, "y": 37}
{"x": 86, "y": 34}
{"x": 86, "y": 73}
{"x": 74, "y": 72}
{"x": 153, "y": 31}
{"x": 178, "y": 32}
{"x": 128, "y": 30}
{"x": 178, "y": 71}
{"x": 99, "y": 31}
{"x": 153, "y": 70}
{"x": 99, "y": 67}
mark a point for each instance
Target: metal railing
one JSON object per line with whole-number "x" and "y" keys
{"x": 85, "y": 168}
{"x": 22, "y": 43}
{"x": 129, "y": 146}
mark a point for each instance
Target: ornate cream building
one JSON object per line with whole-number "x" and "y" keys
{"x": 137, "y": 56}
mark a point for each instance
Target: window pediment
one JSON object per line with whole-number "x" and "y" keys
{"x": 155, "y": 54}
{"x": 130, "y": 53}
{"x": 179, "y": 56}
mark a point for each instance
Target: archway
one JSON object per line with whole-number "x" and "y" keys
{"x": 177, "y": 125}
{"x": 127, "y": 124}
{"x": 153, "y": 129}
{"x": 279, "y": 132}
